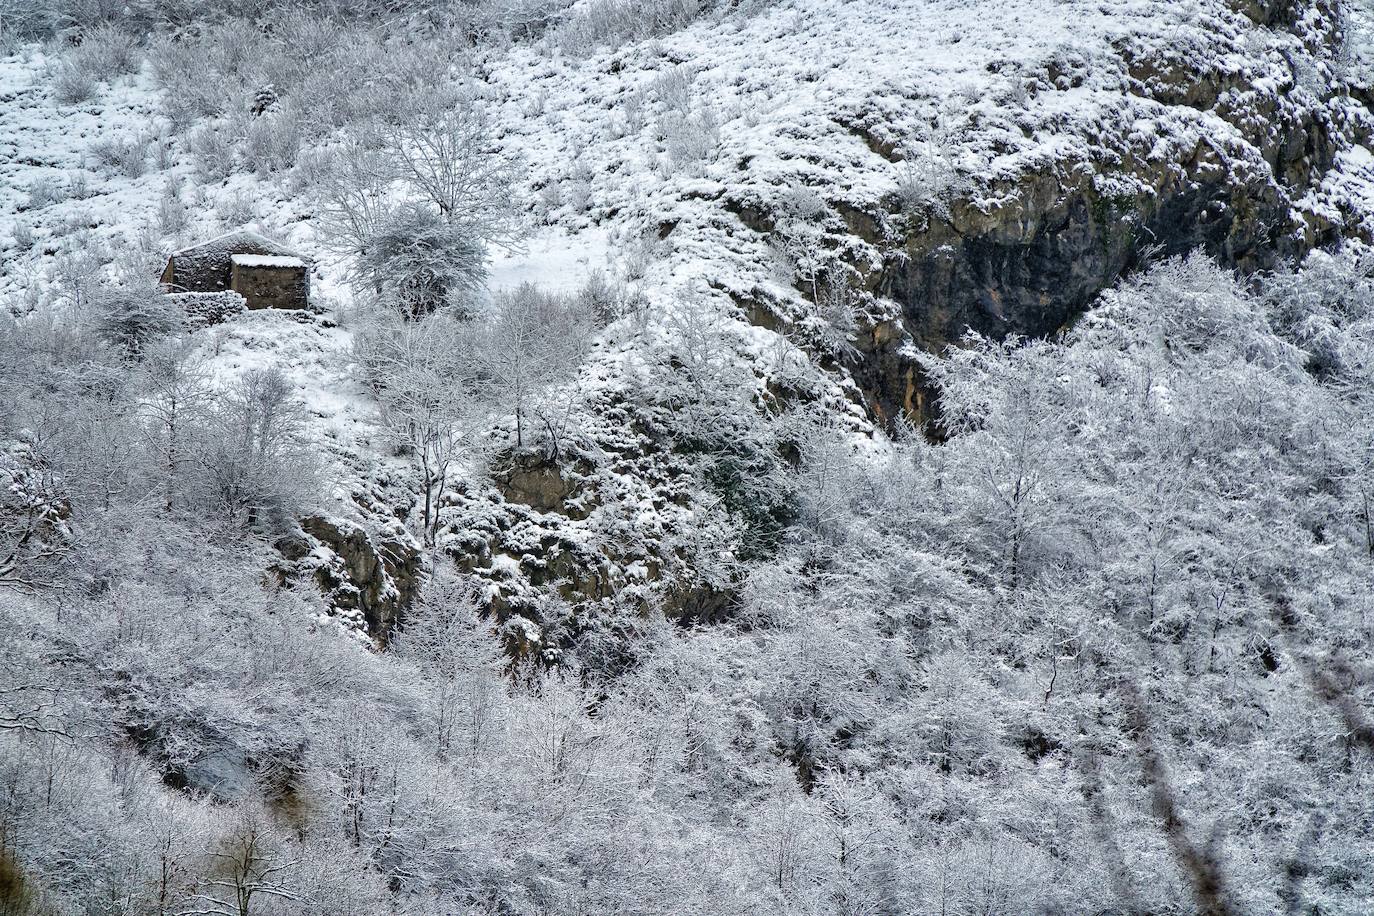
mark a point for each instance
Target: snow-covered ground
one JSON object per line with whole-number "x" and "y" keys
{"x": 640, "y": 162}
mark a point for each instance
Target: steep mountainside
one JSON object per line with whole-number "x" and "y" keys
{"x": 739, "y": 457}
{"x": 859, "y": 183}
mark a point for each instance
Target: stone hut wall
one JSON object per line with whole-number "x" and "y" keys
{"x": 209, "y": 308}
{"x": 270, "y": 282}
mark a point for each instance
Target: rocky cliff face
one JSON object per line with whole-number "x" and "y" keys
{"x": 993, "y": 178}
{"x": 961, "y": 179}
{"x": 1201, "y": 151}
{"x": 368, "y": 577}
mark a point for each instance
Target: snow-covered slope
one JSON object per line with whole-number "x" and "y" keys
{"x": 853, "y": 181}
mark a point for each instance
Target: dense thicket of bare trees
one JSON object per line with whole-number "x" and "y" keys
{"x": 1100, "y": 645}
{"x": 1041, "y": 663}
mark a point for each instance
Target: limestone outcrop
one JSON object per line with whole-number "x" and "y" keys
{"x": 1197, "y": 153}
{"x": 370, "y": 576}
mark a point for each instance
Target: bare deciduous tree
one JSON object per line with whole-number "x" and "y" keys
{"x": 424, "y": 375}
{"x": 533, "y": 342}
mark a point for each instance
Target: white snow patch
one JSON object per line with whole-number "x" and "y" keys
{"x": 554, "y": 259}
{"x": 266, "y": 260}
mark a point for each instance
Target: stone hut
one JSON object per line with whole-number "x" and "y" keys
{"x": 265, "y": 273}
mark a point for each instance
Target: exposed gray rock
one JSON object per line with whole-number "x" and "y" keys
{"x": 1025, "y": 254}
{"x": 533, "y": 480}
{"x": 373, "y": 575}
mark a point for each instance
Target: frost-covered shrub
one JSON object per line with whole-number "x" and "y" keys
{"x": 639, "y": 253}
{"x": 420, "y": 263}
{"x": 107, "y": 52}
{"x": 72, "y": 85}
{"x": 162, "y": 151}
{"x": 24, "y": 20}
{"x": 236, "y": 209}
{"x": 329, "y": 72}
{"x": 23, "y": 235}
{"x": 86, "y": 15}
{"x": 273, "y": 141}
{"x": 518, "y": 19}
{"x": 1314, "y": 309}
{"x": 255, "y": 468}
{"x": 928, "y": 177}
{"x": 608, "y": 299}
{"x": 1355, "y": 56}
{"x": 212, "y": 151}
{"x": 690, "y": 139}
{"x": 78, "y": 265}
{"x": 578, "y": 193}
{"x": 205, "y": 74}
{"x": 43, "y": 193}
{"x": 673, "y": 89}
{"x": 550, "y": 199}
{"x": 633, "y": 109}
{"x": 613, "y": 23}
{"x": 131, "y": 318}
{"x": 173, "y": 216}
{"x": 532, "y": 342}
{"x": 690, "y": 132}
{"x": 127, "y": 155}
{"x": 78, "y": 185}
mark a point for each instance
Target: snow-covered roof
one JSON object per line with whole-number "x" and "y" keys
{"x": 266, "y": 260}
{"x": 234, "y": 239}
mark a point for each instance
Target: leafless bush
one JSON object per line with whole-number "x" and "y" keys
{"x": 613, "y": 23}
{"x": 273, "y": 141}
{"x": 324, "y": 71}
{"x": 107, "y": 52}
{"x": 72, "y": 85}
{"x": 212, "y": 151}
{"x": 928, "y": 177}
{"x": 633, "y": 110}
{"x": 162, "y": 151}
{"x": 173, "y": 216}
{"x": 673, "y": 89}
{"x": 24, "y": 20}
{"x": 23, "y": 235}
{"x": 79, "y": 185}
{"x": 85, "y": 15}
{"x": 203, "y": 76}
{"x": 550, "y": 198}
{"x": 127, "y": 155}
{"x": 236, "y": 209}
{"x": 608, "y": 299}
{"x": 578, "y": 193}
{"x": 690, "y": 139}
{"x": 255, "y": 467}
{"x": 640, "y": 253}
{"x": 43, "y": 192}
{"x": 532, "y": 343}
{"x": 519, "y": 19}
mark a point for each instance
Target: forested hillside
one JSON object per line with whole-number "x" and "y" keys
{"x": 686, "y": 457}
